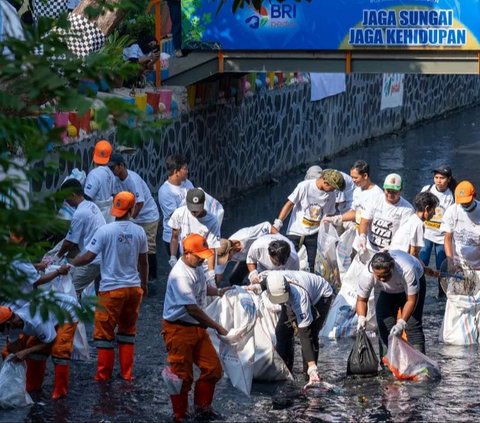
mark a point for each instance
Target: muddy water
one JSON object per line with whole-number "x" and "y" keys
{"x": 456, "y": 140}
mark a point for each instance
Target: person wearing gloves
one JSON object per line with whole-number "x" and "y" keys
{"x": 99, "y": 182}
{"x": 443, "y": 188}
{"x": 86, "y": 219}
{"x": 271, "y": 252}
{"x": 399, "y": 283}
{"x": 184, "y": 328}
{"x": 235, "y": 249}
{"x": 461, "y": 226}
{"x": 33, "y": 339}
{"x": 124, "y": 270}
{"x": 194, "y": 218}
{"x": 145, "y": 213}
{"x": 309, "y": 203}
{"x": 382, "y": 219}
{"x": 365, "y": 194}
{"x": 305, "y": 299}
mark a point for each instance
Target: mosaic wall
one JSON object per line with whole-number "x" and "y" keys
{"x": 232, "y": 147}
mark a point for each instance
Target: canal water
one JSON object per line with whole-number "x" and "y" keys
{"x": 454, "y": 140}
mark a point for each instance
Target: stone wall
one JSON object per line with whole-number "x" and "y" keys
{"x": 233, "y": 147}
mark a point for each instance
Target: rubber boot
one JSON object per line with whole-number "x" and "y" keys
{"x": 105, "y": 361}
{"x": 152, "y": 267}
{"x": 180, "y": 406}
{"x": 125, "y": 355}
{"x": 203, "y": 395}
{"x": 60, "y": 382}
{"x": 35, "y": 374}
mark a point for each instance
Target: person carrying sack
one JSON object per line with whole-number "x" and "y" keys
{"x": 305, "y": 299}
{"x": 398, "y": 281}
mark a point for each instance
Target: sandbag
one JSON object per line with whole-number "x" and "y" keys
{"x": 326, "y": 258}
{"x": 13, "y": 380}
{"x": 407, "y": 363}
{"x": 341, "y": 319}
{"x": 362, "y": 360}
{"x": 236, "y": 312}
{"x": 268, "y": 366}
{"x": 460, "y": 321}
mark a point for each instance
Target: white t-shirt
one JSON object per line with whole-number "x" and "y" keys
{"x": 466, "y": 232}
{"x": 99, "y": 183}
{"x": 405, "y": 277}
{"x": 185, "y": 286}
{"x": 25, "y": 271}
{"x": 409, "y": 233}
{"x": 170, "y": 198}
{"x": 120, "y": 243}
{"x": 310, "y": 205}
{"x": 206, "y": 226}
{"x": 258, "y": 254}
{"x": 136, "y": 185}
{"x": 432, "y": 226}
{"x": 343, "y": 199}
{"x": 86, "y": 219}
{"x": 385, "y": 220}
{"x": 312, "y": 288}
{"x": 132, "y": 52}
{"x": 247, "y": 236}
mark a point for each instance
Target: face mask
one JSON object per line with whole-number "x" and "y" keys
{"x": 470, "y": 207}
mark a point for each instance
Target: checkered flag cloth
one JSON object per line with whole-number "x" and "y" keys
{"x": 49, "y": 8}
{"x": 86, "y": 37}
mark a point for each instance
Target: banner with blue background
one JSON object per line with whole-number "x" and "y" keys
{"x": 333, "y": 25}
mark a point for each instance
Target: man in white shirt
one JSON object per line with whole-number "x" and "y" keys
{"x": 124, "y": 269}
{"x": 235, "y": 249}
{"x": 86, "y": 219}
{"x": 271, "y": 252}
{"x": 184, "y": 328}
{"x": 380, "y": 221}
{"x": 173, "y": 192}
{"x": 32, "y": 338}
{"x": 305, "y": 299}
{"x": 461, "y": 225}
{"x": 99, "y": 182}
{"x": 145, "y": 213}
{"x": 309, "y": 203}
{"x": 193, "y": 218}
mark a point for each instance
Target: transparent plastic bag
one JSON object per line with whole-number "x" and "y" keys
{"x": 13, "y": 379}
{"x": 173, "y": 382}
{"x": 407, "y": 363}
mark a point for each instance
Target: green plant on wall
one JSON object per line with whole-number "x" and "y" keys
{"x": 193, "y": 26}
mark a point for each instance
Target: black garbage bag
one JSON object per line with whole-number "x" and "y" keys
{"x": 362, "y": 360}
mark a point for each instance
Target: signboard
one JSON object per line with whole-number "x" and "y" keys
{"x": 333, "y": 25}
{"x": 392, "y": 90}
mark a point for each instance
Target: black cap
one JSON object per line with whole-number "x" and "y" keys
{"x": 443, "y": 170}
{"x": 195, "y": 199}
{"x": 115, "y": 159}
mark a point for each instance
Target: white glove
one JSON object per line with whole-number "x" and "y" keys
{"x": 362, "y": 243}
{"x": 277, "y": 224}
{"x": 361, "y": 322}
{"x": 313, "y": 374}
{"x": 398, "y": 329}
{"x": 334, "y": 220}
{"x": 253, "y": 277}
{"x": 173, "y": 261}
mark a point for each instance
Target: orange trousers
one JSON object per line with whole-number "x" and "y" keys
{"x": 189, "y": 345}
{"x": 119, "y": 307}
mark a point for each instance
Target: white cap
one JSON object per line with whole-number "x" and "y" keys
{"x": 393, "y": 182}
{"x": 277, "y": 287}
{"x": 313, "y": 172}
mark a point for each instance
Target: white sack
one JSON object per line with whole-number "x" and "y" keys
{"x": 13, "y": 380}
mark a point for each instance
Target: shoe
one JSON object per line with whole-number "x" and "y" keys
{"x": 105, "y": 361}
{"x": 125, "y": 356}
{"x": 179, "y": 53}
{"x": 60, "y": 381}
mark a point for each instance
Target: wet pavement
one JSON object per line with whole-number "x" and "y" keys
{"x": 455, "y": 140}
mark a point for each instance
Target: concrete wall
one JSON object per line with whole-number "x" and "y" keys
{"x": 233, "y": 147}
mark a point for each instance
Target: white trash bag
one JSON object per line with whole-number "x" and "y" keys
{"x": 326, "y": 257}
{"x": 344, "y": 250}
{"x": 236, "y": 312}
{"x": 13, "y": 381}
{"x": 460, "y": 321}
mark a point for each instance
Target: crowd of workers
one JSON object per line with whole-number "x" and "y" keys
{"x": 114, "y": 229}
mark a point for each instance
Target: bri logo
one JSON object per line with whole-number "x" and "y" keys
{"x": 278, "y": 12}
